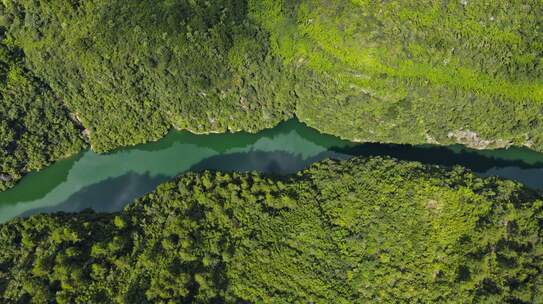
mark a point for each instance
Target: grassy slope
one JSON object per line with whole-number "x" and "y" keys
{"x": 374, "y": 230}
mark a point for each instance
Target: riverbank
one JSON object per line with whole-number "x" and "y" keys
{"x": 340, "y": 229}
{"x": 106, "y": 182}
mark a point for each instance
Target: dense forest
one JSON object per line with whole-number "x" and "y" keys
{"x": 360, "y": 231}
{"x": 131, "y": 70}
{"x": 415, "y": 71}
{"x": 110, "y": 73}
{"x": 125, "y": 72}
{"x": 35, "y": 128}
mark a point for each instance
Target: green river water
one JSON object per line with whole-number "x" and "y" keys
{"x": 106, "y": 182}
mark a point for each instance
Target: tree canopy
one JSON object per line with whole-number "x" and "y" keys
{"x": 35, "y": 127}
{"x": 444, "y": 72}
{"x": 359, "y": 231}
{"x": 415, "y": 71}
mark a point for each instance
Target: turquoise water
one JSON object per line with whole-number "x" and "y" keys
{"x": 106, "y": 182}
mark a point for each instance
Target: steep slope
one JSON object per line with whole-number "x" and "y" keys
{"x": 412, "y": 72}
{"x": 131, "y": 70}
{"x": 35, "y": 127}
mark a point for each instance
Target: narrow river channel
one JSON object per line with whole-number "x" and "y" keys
{"x": 106, "y": 182}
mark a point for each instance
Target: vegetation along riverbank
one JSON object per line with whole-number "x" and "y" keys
{"x": 365, "y": 230}
{"x": 118, "y": 73}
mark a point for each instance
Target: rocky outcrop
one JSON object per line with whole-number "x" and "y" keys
{"x": 473, "y": 140}
{"x": 4, "y": 177}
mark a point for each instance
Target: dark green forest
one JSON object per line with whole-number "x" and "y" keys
{"x": 35, "y": 127}
{"x": 360, "y": 231}
{"x": 131, "y": 70}
{"x": 125, "y": 72}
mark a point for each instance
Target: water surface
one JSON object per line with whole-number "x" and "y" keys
{"x": 106, "y": 182}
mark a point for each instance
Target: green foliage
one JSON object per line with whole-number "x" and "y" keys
{"x": 360, "y": 231}
{"x": 380, "y": 71}
{"x": 130, "y": 70}
{"x": 35, "y": 128}
{"x": 413, "y": 72}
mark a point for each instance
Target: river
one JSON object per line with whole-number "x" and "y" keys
{"x": 107, "y": 182}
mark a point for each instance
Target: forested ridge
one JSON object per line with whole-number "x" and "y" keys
{"x": 360, "y": 231}
{"x": 382, "y": 71}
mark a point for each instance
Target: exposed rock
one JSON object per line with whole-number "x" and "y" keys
{"x": 528, "y": 142}
{"x": 429, "y": 139}
{"x": 473, "y": 140}
{"x": 86, "y": 135}
{"x": 75, "y": 117}
{"x": 433, "y": 205}
{"x": 5, "y": 177}
{"x": 213, "y": 122}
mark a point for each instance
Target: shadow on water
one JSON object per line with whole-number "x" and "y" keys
{"x": 285, "y": 149}
{"x": 109, "y": 195}
{"x": 435, "y": 155}
{"x": 275, "y": 163}
{"x": 113, "y": 194}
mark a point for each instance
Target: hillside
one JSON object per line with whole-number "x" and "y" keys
{"x": 411, "y": 72}
{"x": 35, "y": 127}
{"x": 364, "y": 230}
{"x": 125, "y": 72}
